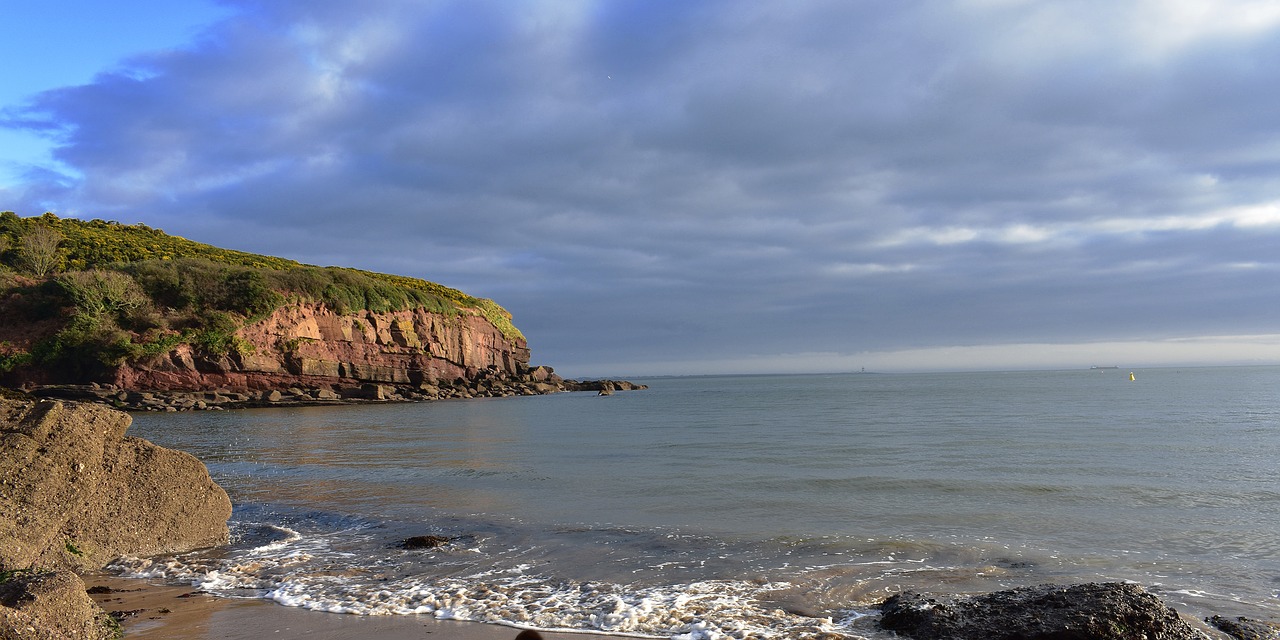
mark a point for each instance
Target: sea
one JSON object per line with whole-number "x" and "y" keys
{"x": 763, "y": 506}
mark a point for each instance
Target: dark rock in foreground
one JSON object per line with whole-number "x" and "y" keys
{"x": 1246, "y": 629}
{"x": 1094, "y": 611}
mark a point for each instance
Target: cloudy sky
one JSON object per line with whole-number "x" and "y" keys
{"x": 701, "y": 186}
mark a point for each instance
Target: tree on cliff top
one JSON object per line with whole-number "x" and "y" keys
{"x": 99, "y": 293}
{"x": 38, "y": 250}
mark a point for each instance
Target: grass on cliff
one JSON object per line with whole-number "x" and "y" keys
{"x": 132, "y": 291}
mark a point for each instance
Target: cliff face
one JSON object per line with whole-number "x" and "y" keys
{"x": 310, "y": 346}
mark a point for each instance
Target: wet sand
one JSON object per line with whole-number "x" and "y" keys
{"x": 153, "y": 612}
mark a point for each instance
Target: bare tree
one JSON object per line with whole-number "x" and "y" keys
{"x": 98, "y": 293}
{"x": 38, "y": 250}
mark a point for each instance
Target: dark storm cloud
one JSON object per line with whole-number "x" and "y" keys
{"x": 661, "y": 182}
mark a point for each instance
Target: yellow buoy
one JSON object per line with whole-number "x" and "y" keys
{"x": 1131, "y": 378}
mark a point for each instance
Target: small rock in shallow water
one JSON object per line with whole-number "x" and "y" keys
{"x": 424, "y": 542}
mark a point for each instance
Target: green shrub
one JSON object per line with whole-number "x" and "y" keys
{"x": 248, "y": 293}
{"x": 218, "y": 334}
{"x": 96, "y": 243}
{"x": 116, "y": 348}
{"x": 98, "y": 292}
{"x": 84, "y": 345}
{"x": 159, "y": 344}
{"x": 11, "y": 358}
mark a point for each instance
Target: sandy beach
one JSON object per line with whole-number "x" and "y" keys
{"x": 155, "y": 612}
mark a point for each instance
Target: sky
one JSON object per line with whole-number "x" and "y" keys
{"x": 701, "y": 186}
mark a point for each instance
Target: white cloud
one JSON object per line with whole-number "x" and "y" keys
{"x": 1265, "y": 214}
{"x": 1167, "y": 25}
{"x": 939, "y": 236}
{"x": 859, "y": 270}
{"x": 1254, "y": 349}
{"x": 1143, "y": 32}
{"x": 1257, "y": 217}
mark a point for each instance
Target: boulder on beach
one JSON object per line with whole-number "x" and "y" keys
{"x": 1092, "y": 611}
{"x": 51, "y": 606}
{"x": 76, "y": 493}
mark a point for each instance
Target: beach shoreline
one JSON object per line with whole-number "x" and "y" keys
{"x": 149, "y": 611}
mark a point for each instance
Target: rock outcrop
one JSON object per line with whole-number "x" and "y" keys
{"x": 76, "y": 493}
{"x": 1093, "y": 611}
{"x": 1245, "y": 628}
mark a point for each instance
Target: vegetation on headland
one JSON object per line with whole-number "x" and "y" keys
{"x": 123, "y": 292}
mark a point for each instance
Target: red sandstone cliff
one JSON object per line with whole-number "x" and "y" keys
{"x": 140, "y": 311}
{"x": 310, "y": 346}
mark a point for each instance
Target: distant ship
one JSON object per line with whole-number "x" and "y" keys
{"x": 1097, "y": 367}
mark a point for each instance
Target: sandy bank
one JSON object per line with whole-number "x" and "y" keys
{"x": 157, "y": 611}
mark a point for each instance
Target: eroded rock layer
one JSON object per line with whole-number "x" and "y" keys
{"x": 311, "y": 346}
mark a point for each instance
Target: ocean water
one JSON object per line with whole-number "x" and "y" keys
{"x": 749, "y": 506}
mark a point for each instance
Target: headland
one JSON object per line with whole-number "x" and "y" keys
{"x": 133, "y": 317}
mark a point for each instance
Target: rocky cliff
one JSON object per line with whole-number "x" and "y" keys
{"x": 309, "y": 354}
{"x": 309, "y": 346}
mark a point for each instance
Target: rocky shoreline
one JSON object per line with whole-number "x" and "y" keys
{"x": 537, "y": 383}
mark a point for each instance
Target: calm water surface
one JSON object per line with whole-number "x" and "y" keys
{"x": 757, "y": 506}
